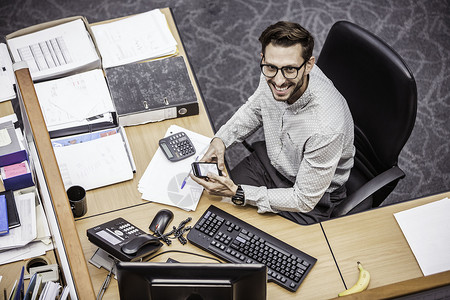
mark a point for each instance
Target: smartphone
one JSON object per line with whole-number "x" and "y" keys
{"x": 201, "y": 169}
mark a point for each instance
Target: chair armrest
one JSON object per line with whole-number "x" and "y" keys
{"x": 367, "y": 190}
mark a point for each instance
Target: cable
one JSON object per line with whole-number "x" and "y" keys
{"x": 177, "y": 232}
{"x": 183, "y": 252}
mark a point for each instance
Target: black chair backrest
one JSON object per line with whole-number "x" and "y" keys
{"x": 380, "y": 90}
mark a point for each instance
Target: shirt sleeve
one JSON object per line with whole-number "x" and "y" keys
{"x": 244, "y": 122}
{"x": 317, "y": 168}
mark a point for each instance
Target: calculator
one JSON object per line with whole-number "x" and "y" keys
{"x": 177, "y": 146}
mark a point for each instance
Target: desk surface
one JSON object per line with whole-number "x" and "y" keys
{"x": 375, "y": 239}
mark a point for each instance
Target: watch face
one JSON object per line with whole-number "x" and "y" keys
{"x": 238, "y": 201}
{"x": 239, "y": 198}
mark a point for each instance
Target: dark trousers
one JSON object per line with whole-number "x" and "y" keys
{"x": 256, "y": 170}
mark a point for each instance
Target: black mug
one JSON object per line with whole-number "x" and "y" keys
{"x": 77, "y": 199}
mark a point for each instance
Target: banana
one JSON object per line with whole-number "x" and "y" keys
{"x": 361, "y": 284}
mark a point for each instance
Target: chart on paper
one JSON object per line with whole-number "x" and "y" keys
{"x": 46, "y": 54}
{"x": 178, "y": 196}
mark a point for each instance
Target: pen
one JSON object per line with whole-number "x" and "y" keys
{"x": 105, "y": 284}
{"x": 187, "y": 176}
{"x": 185, "y": 179}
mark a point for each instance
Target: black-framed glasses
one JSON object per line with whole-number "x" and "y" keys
{"x": 289, "y": 72}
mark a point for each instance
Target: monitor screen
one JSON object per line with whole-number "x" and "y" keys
{"x": 191, "y": 281}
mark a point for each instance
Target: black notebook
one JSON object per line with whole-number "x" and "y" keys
{"x": 13, "y": 214}
{"x": 152, "y": 91}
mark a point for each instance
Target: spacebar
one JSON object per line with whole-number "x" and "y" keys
{"x": 278, "y": 249}
{"x": 223, "y": 255}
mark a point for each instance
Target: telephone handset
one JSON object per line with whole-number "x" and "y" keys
{"x": 123, "y": 240}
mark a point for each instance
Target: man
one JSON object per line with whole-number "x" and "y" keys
{"x": 301, "y": 168}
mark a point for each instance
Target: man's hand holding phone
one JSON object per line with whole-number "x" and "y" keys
{"x": 208, "y": 171}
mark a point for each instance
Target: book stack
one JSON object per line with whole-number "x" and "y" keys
{"x": 14, "y": 166}
{"x": 39, "y": 287}
{"x": 9, "y": 216}
{"x": 22, "y": 219}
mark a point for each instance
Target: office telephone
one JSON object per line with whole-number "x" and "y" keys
{"x": 123, "y": 240}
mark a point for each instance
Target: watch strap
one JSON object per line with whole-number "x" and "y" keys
{"x": 239, "y": 197}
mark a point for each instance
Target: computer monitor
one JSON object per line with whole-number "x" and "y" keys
{"x": 191, "y": 281}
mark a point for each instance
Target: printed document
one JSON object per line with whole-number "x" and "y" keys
{"x": 140, "y": 37}
{"x": 162, "y": 180}
{"x": 56, "y": 51}
{"x": 427, "y": 230}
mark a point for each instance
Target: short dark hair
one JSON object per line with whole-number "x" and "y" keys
{"x": 287, "y": 34}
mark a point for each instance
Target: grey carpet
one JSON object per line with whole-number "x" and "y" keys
{"x": 220, "y": 37}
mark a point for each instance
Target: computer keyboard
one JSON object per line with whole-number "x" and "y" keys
{"x": 236, "y": 241}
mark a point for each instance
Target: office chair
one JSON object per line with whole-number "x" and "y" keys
{"x": 382, "y": 95}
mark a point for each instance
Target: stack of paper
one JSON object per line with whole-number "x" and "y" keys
{"x": 76, "y": 100}
{"x": 56, "y": 51}
{"x": 94, "y": 159}
{"x": 427, "y": 230}
{"x": 32, "y": 238}
{"x": 140, "y": 37}
{"x": 162, "y": 180}
{"x": 22, "y": 235}
{"x": 50, "y": 291}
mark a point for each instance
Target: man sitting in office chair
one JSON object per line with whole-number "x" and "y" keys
{"x": 299, "y": 171}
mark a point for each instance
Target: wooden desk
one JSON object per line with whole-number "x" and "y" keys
{"x": 309, "y": 239}
{"x": 375, "y": 239}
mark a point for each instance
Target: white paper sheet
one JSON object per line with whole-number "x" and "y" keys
{"x": 140, "y": 37}
{"x": 161, "y": 181}
{"x": 30, "y": 250}
{"x": 6, "y": 75}
{"x": 427, "y": 230}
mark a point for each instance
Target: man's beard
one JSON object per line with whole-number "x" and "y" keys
{"x": 293, "y": 94}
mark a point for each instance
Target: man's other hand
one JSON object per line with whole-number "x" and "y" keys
{"x": 215, "y": 153}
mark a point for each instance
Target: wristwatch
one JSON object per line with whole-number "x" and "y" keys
{"x": 239, "y": 198}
